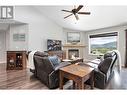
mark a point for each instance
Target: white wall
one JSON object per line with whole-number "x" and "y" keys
{"x": 40, "y": 27}
{"x": 2, "y": 46}
{"x": 121, "y": 41}
{"x": 18, "y": 29}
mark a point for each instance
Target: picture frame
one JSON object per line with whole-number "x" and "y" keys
{"x": 73, "y": 37}
{"x": 19, "y": 37}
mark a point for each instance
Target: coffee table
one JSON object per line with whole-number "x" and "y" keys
{"x": 73, "y": 61}
{"x": 79, "y": 74}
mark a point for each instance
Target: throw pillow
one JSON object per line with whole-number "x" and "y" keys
{"x": 54, "y": 60}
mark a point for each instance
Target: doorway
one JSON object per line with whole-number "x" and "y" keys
{"x": 2, "y": 46}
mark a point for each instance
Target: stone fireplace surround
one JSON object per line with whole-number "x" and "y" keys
{"x": 78, "y": 47}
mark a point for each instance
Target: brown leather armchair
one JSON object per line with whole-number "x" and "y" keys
{"x": 103, "y": 74}
{"x": 104, "y": 71}
{"x": 46, "y": 71}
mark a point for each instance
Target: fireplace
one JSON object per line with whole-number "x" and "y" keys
{"x": 78, "y": 49}
{"x": 73, "y": 53}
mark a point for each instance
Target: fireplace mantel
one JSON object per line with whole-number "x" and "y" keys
{"x": 80, "y": 47}
{"x": 73, "y": 45}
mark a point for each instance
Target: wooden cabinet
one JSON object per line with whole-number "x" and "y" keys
{"x": 16, "y": 60}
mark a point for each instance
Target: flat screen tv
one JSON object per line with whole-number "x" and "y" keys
{"x": 54, "y": 45}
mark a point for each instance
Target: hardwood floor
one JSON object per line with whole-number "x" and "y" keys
{"x": 18, "y": 79}
{"x": 118, "y": 81}
{"x": 24, "y": 79}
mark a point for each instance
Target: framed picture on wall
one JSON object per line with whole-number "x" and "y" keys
{"x": 15, "y": 37}
{"x": 73, "y": 37}
{"x": 22, "y": 37}
{"x": 19, "y": 37}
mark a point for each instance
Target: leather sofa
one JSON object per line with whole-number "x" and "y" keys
{"x": 46, "y": 70}
{"x": 104, "y": 71}
{"x": 39, "y": 54}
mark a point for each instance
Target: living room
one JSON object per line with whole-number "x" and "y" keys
{"x": 32, "y": 27}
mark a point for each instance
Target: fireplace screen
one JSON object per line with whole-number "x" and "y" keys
{"x": 73, "y": 53}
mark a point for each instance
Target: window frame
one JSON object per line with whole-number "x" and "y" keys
{"x": 89, "y": 44}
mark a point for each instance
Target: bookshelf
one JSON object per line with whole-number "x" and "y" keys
{"x": 16, "y": 60}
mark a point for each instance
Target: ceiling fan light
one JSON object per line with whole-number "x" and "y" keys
{"x": 76, "y": 16}
{"x": 75, "y": 12}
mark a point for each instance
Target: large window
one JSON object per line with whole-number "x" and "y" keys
{"x": 101, "y": 43}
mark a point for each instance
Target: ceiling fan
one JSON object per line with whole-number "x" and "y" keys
{"x": 75, "y": 12}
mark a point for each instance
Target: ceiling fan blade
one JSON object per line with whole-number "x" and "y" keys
{"x": 68, "y": 16}
{"x": 79, "y": 7}
{"x": 86, "y": 13}
{"x": 76, "y": 16}
{"x": 66, "y": 11}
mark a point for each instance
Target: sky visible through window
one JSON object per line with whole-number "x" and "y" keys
{"x": 103, "y": 40}
{"x": 101, "y": 45}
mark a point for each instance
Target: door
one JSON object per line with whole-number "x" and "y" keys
{"x": 2, "y": 47}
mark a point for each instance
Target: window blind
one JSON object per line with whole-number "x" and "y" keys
{"x": 104, "y": 35}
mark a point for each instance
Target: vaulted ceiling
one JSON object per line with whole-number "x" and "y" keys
{"x": 100, "y": 17}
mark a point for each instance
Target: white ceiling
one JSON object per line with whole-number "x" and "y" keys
{"x": 100, "y": 17}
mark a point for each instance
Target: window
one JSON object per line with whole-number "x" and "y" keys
{"x": 101, "y": 43}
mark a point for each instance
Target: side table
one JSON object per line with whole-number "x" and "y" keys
{"x": 79, "y": 74}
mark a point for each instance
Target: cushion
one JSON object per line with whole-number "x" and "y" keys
{"x": 42, "y": 54}
{"x": 54, "y": 60}
{"x": 105, "y": 64}
{"x": 107, "y": 55}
